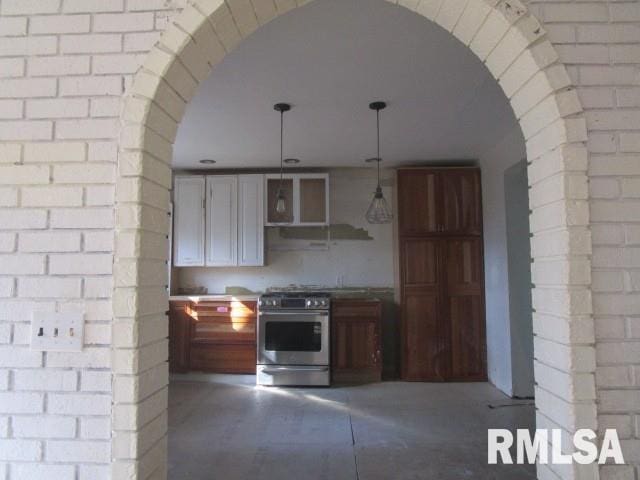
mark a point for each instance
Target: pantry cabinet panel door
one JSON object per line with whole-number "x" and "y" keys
{"x": 425, "y": 356}
{"x": 222, "y": 221}
{"x": 188, "y": 218}
{"x": 418, "y": 202}
{"x": 461, "y": 202}
{"x": 251, "y": 220}
{"x": 465, "y": 308}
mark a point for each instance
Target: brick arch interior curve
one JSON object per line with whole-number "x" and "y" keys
{"x": 512, "y": 44}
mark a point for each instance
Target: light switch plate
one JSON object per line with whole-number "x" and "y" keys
{"x": 57, "y": 332}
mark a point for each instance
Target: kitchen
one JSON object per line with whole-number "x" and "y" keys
{"x": 305, "y": 243}
{"x": 320, "y": 240}
{"x": 111, "y": 107}
{"x": 220, "y": 220}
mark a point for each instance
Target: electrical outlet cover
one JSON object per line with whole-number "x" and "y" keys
{"x": 57, "y": 332}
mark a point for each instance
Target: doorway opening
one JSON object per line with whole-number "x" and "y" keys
{"x": 180, "y": 64}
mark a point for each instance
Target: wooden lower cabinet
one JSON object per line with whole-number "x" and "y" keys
{"x": 179, "y": 334}
{"x": 356, "y": 353}
{"x": 212, "y": 336}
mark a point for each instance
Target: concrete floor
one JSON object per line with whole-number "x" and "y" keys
{"x": 223, "y": 427}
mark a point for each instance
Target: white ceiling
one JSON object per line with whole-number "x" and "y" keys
{"x": 330, "y": 59}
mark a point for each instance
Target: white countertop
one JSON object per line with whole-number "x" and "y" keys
{"x": 221, "y": 297}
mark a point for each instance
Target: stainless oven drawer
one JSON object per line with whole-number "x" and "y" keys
{"x": 272, "y": 375}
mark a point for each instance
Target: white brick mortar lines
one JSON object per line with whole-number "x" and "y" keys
{"x": 514, "y": 48}
{"x": 64, "y": 68}
{"x": 600, "y": 44}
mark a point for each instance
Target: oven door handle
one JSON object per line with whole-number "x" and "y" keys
{"x": 272, "y": 370}
{"x": 297, "y": 314}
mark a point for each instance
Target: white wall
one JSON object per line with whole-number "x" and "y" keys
{"x": 493, "y": 163}
{"x": 516, "y": 193}
{"x": 337, "y": 263}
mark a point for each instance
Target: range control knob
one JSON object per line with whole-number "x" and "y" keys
{"x": 308, "y": 303}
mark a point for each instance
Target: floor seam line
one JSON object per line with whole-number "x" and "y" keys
{"x": 353, "y": 447}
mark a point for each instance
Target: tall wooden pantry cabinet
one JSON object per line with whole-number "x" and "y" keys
{"x": 441, "y": 274}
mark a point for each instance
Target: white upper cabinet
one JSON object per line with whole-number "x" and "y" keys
{"x": 218, "y": 220}
{"x": 188, "y": 217}
{"x": 306, "y": 196}
{"x": 222, "y": 221}
{"x": 251, "y": 220}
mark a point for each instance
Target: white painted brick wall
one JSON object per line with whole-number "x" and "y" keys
{"x": 43, "y": 472}
{"x": 64, "y": 65}
{"x": 63, "y": 70}
{"x": 601, "y": 40}
{"x": 47, "y": 427}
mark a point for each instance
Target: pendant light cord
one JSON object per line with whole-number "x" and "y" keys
{"x": 378, "y": 159}
{"x": 281, "y": 149}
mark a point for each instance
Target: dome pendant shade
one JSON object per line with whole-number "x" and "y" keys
{"x": 379, "y": 211}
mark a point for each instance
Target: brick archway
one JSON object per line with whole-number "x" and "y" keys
{"x": 514, "y": 47}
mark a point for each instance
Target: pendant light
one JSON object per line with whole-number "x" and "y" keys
{"x": 281, "y": 201}
{"x": 378, "y": 211}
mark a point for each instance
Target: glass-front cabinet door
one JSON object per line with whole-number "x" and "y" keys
{"x": 273, "y": 186}
{"x": 313, "y": 200}
{"x": 306, "y": 199}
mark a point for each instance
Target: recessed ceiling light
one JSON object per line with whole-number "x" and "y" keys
{"x": 207, "y": 161}
{"x": 291, "y": 161}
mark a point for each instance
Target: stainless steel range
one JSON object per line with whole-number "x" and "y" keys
{"x": 293, "y": 339}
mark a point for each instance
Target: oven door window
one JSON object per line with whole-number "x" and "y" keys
{"x": 293, "y": 336}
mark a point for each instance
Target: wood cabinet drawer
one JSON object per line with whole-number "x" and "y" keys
{"x": 224, "y": 330}
{"x": 356, "y": 309}
{"x": 223, "y": 358}
{"x": 223, "y": 309}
